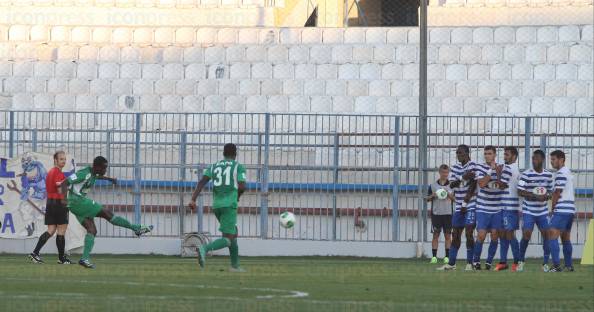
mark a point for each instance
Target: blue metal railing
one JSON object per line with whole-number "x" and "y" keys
{"x": 336, "y": 161}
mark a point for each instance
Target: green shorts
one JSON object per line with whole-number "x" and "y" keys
{"x": 84, "y": 208}
{"x": 227, "y": 217}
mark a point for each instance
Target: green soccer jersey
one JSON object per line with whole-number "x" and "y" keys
{"x": 225, "y": 176}
{"x": 81, "y": 182}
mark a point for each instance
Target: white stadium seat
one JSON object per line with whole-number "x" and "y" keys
{"x": 80, "y": 34}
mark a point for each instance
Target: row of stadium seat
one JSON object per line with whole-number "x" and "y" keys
{"x": 298, "y": 103}
{"x": 335, "y": 58}
{"x": 166, "y": 4}
{"x": 166, "y": 36}
{"x": 370, "y": 73}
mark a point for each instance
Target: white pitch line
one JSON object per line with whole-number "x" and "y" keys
{"x": 291, "y": 293}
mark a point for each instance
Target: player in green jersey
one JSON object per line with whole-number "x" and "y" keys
{"x": 228, "y": 177}
{"x": 85, "y": 209}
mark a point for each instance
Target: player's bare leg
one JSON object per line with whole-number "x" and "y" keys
{"x": 435, "y": 245}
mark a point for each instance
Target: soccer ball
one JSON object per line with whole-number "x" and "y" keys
{"x": 441, "y": 194}
{"x": 287, "y": 219}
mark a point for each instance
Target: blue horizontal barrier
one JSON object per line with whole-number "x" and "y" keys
{"x": 320, "y": 187}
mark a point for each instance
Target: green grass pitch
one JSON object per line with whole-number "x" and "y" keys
{"x": 158, "y": 283}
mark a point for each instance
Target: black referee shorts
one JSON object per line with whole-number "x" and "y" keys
{"x": 441, "y": 223}
{"x": 55, "y": 212}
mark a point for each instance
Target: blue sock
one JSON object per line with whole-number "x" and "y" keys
{"x": 546, "y": 250}
{"x": 515, "y": 248}
{"x": 567, "y": 251}
{"x": 503, "y": 250}
{"x": 554, "y": 248}
{"x": 523, "y": 247}
{"x": 492, "y": 251}
{"x": 453, "y": 255}
{"x": 470, "y": 254}
{"x": 478, "y": 249}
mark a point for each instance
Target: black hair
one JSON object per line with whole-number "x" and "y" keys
{"x": 99, "y": 161}
{"x": 230, "y": 150}
{"x": 512, "y": 149}
{"x": 465, "y": 148}
{"x": 540, "y": 153}
{"x": 558, "y": 154}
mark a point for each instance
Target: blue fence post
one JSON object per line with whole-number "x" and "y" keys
{"x": 183, "y": 141}
{"x": 264, "y": 188}
{"x": 396, "y": 182}
{"x": 137, "y": 173}
{"x": 108, "y": 144}
{"x": 334, "y": 181}
{"x": 527, "y": 143}
{"x": 11, "y": 135}
{"x": 34, "y": 140}
{"x": 543, "y": 147}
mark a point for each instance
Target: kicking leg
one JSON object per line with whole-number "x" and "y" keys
{"x": 122, "y": 222}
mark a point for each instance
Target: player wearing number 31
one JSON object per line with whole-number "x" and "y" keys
{"x": 228, "y": 177}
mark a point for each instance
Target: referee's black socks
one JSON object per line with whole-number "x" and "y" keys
{"x": 42, "y": 240}
{"x": 60, "y": 243}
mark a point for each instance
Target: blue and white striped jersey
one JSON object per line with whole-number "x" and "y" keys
{"x": 511, "y": 200}
{"x": 488, "y": 199}
{"x": 458, "y": 170}
{"x": 564, "y": 182}
{"x": 529, "y": 180}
